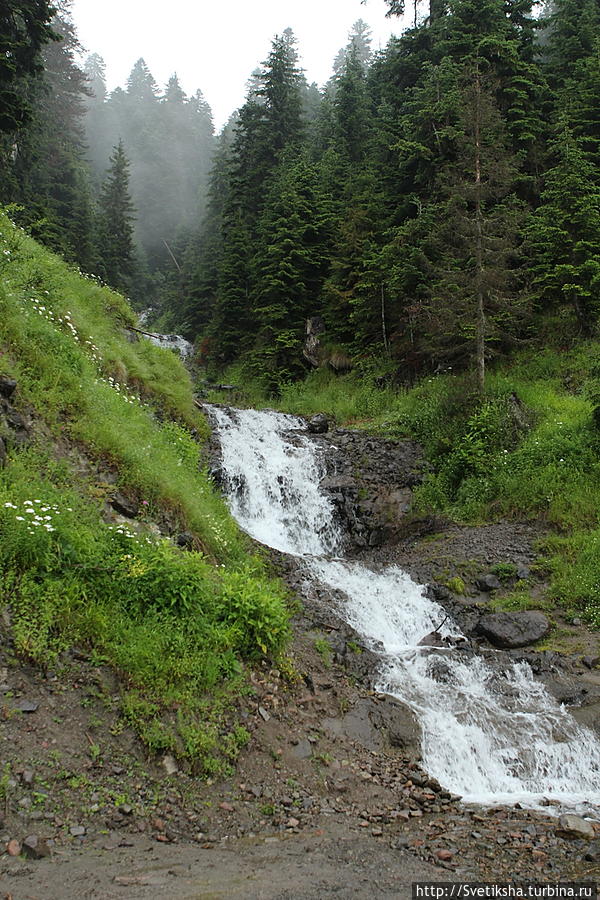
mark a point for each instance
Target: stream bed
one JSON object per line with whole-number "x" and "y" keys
{"x": 491, "y": 733}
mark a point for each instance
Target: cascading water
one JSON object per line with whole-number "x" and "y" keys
{"x": 490, "y": 733}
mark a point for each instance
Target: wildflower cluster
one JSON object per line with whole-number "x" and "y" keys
{"x": 36, "y": 515}
{"x": 127, "y": 532}
{"x": 122, "y": 390}
{"x": 41, "y": 309}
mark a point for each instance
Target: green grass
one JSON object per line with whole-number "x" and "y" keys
{"x": 537, "y": 459}
{"x": 179, "y": 626}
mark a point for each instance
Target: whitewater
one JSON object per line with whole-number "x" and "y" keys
{"x": 492, "y": 734}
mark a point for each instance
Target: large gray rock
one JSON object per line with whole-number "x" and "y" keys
{"x": 518, "y": 629}
{"x": 124, "y": 505}
{"x": 318, "y": 424}
{"x": 576, "y": 827}
{"x": 488, "y": 583}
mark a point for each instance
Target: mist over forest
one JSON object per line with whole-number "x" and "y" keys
{"x": 419, "y": 204}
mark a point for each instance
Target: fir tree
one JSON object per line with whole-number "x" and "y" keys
{"x": 24, "y": 29}
{"x": 116, "y": 243}
{"x": 564, "y": 234}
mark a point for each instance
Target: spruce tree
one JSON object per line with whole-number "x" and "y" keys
{"x": 117, "y": 263}
{"x": 563, "y": 237}
{"x": 47, "y": 173}
{"x": 287, "y": 268}
{"x": 24, "y": 29}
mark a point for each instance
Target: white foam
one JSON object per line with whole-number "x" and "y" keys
{"x": 491, "y": 733}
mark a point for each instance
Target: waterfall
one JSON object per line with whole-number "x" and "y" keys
{"x": 491, "y": 733}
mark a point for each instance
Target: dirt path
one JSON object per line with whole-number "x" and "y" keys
{"x": 336, "y": 862}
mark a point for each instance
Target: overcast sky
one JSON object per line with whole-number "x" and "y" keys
{"x": 215, "y": 44}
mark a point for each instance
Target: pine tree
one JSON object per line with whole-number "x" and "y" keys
{"x": 24, "y": 29}
{"x": 573, "y": 32}
{"x": 455, "y": 263}
{"x": 116, "y": 243}
{"x": 287, "y": 267}
{"x": 281, "y": 91}
{"x": 47, "y": 172}
{"x": 352, "y": 121}
{"x": 564, "y": 234}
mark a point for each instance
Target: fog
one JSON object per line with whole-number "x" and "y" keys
{"x": 215, "y": 46}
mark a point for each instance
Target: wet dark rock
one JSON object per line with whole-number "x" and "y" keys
{"x": 433, "y": 639}
{"x": 488, "y": 583}
{"x": 518, "y": 629}
{"x": 124, "y": 506}
{"x": 318, "y": 424}
{"x": 2, "y": 453}
{"x": 439, "y": 592}
{"x": 185, "y": 540}
{"x": 379, "y": 724}
{"x": 8, "y": 386}
{"x": 591, "y": 662}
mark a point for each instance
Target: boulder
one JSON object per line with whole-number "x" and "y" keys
{"x": 576, "y": 827}
{"x": 312, "y": 351}
{"x": 2, "y": 453}
{"x": 318, "y": 424}
{"x": 379, "y": 724}
{"x": 35, "y": 847}
{"x": 185, "y": 540}
{"x": 488, "y": 583}
{"x": 124, "y": 506}
{"x": 433, "y": 639}
{"x": 508, "y": 630}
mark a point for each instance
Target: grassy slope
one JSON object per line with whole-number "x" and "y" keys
{"x": 177, "y": 625}
{"x": 537, "y": 458}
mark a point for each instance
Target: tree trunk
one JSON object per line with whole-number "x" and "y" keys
{"x": 437, "y": 8}
{"x": 383, "y": 326}
{"x": 479, "y": 280}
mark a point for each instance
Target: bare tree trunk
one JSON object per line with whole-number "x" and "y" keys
{"x": 383, "y": 328}
{"x": 437, "y": 8}
{"x": 172, "y": 255}
{"x": 480, "y": 292}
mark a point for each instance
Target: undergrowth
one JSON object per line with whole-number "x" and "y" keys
{"x": 179, "y": 626}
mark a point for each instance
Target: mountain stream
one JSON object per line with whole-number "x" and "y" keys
{"x": 492, "y": 734}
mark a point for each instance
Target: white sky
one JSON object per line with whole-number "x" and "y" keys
{"x": 215, "y": 44}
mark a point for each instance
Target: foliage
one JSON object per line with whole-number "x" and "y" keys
{"x": 175, "y": 624}
{"x": 24, "y": 29}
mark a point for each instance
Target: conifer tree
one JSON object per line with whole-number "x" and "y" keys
{"x": 24, "y": 29}
{"x": 564, "y": 234}
{"x": 288, "y": 267}
{"x": 117, "y": 263}
{"x": 47, "y": 174}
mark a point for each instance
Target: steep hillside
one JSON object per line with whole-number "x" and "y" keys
{"x": 112, "y": 536}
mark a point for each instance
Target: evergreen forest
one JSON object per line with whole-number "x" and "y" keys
{"x": 434, "y": 206}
